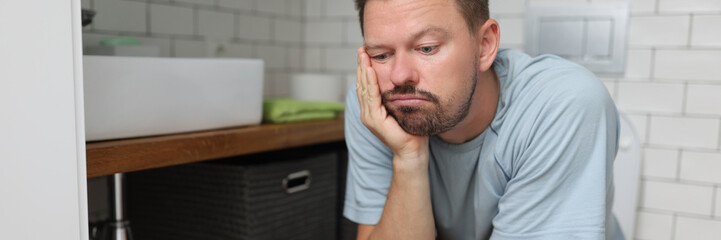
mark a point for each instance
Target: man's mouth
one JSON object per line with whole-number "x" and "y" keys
{"x": 407, "y": 100}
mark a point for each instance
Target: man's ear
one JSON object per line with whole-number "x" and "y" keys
{"x": 488, "y": 38}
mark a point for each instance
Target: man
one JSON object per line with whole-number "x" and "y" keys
{"x": 451, "y": 138}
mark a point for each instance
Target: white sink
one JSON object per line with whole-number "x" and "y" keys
{"x": 141, "y": 96}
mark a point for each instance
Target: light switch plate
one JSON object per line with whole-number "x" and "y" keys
{"x": 591, "y": 34}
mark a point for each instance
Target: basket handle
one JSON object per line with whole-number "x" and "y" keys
{"x": 297, "y": 181}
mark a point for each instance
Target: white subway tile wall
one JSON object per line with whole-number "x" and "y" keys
{"x": 313, "y": 8}
{"x": 335, "y": 8}
{"x": 353, "y": 35}
{"x": 501, "y": 7}
{"x": 638, "y": 64}
{"x": 341, "y": 59}
{"x": 323, "y": 33}
{"x": 287, "y": 31}
{"x": 198, "y": 2}
{"x": 295, "y": 7}
{"x": 273, "y": 56}
{"x": 688, "y": 64}
{"x": 654, "y": 226}
{"x": 216, "y": 24}
{"x": 313, "y": 58}
{"x": 689, "y": 6}
{"x": 678, "y": 197}
{"x": 659, "y": 31}
{"x": 271, "y": 30}
{"x": 254, "y": 27}
{"x": 650, "y": 97}
{"x": 246, "y": 5}
{"x": 189, "y": 48}
{"x": 717, "y": 205}
{"x": 705, "y": 31}
{"x": 171, "y": 20}
{"x": 661, "y": 163}
{"x": 277, "y": 7}
{"x": 697, "y": 229}
{"x": 239, "y": 50}
{"x": 295, "y": 58}
{"x": 125, "y": 16}
{"x": 704, "y": 99}
{"x": 671, "y": 90}
{"x": 694, "y": 165}
{"x": 684, "y": 132}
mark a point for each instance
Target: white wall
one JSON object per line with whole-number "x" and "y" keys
{"x": 672, "y": 92}
{"x": 332, "y": 36}
{"x": 42, "y": 143}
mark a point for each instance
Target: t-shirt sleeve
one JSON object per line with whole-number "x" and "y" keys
{"x": 370, "y": 168}
{"x": 560, "y": 173}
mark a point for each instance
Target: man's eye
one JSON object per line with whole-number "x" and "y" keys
{"x": 427, "y": 49}
{"x": 381, "y": 57}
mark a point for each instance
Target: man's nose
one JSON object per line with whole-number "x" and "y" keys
{"x": 403, "y": 71}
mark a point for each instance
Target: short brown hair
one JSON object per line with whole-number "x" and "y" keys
{"x": 474, "y": 11}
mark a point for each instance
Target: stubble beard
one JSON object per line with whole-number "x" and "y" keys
{"x": 429, "y": 121}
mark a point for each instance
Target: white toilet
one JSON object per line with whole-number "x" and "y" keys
{"x": 627, "y": 174}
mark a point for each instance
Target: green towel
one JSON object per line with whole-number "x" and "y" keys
{"x": 283, "y": 110}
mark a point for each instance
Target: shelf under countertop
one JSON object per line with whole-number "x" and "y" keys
{"x": 127, "y": 155}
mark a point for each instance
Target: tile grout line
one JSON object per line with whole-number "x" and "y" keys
{"x": 648, "y": 128}
{"x": 676, "y": 181}
{"x": 303, "y": 46}
{"x": 254, "y": 7}
{"x": 653, "y": 65}
{"x": 148, "y": 28}
{"x": 690, "y": 30}
{"x": 324, "y": 9}
{"x": 658, "y": 6}
{"x": 92, "y": 7}
{"x": 286, "y": 61}
{"x": 344, "y": 33}
{"x": 679, "y": 158}
{"x": 196, "y": 22}
{"x": 273, "y": 39}
{"x": 172, "y": 47}
{"x": 670, "y": 213}
{"x": 673, "y": 226}
{"x": 713, "y": 201}
{"x": 236, "y": 25}
{"x": 718, "y": 142}
{"x": 684, "y": 101}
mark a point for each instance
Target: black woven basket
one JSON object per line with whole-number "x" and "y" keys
{"x": 347, "y": 230}
{"x": 289, "y": 195}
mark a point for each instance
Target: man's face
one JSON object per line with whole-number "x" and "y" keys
{"x": 425, "y": 59}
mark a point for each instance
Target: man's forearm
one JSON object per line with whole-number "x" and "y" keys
{"x": 407, "y": 213}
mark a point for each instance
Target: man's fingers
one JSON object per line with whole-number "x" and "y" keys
{"x": 362, "y": 88}
{"x": 372, "y": 79}
{"x": 368, "y": 90}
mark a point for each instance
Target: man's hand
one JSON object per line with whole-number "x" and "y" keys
{"x": 407, "y": 213}
{"x": 375, "y": 116}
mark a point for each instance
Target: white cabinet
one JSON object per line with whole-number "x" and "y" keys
{"x": 42, "y": 143}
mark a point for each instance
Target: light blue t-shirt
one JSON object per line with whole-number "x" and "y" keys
{"x": 541, "y": 170}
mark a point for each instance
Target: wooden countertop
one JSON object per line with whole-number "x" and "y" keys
{"x": 116, "y": 156}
